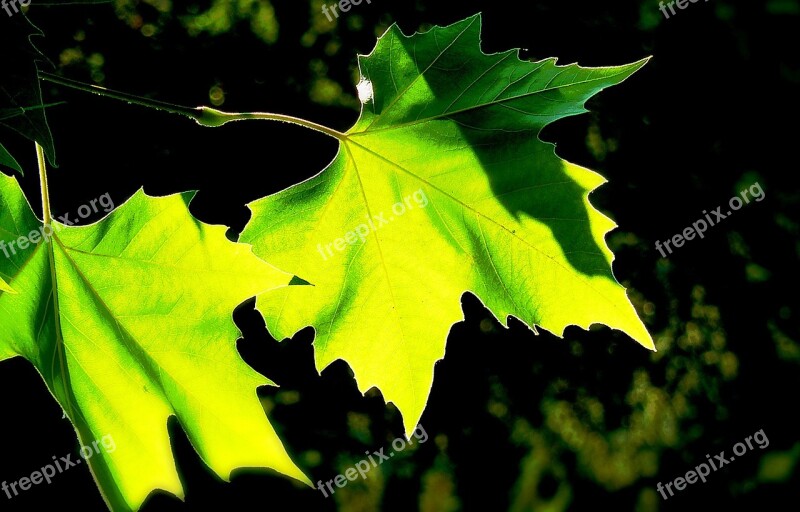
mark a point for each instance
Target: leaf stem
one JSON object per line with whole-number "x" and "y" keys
{"x": 213, "y": 117}
{"x": 204, "y": 116}
{"x": 47, "y": 217}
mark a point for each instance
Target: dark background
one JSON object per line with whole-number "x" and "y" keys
{"x": 516, "y": 422}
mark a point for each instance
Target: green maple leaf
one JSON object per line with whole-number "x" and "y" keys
{"x": 7, "y": 160}
{"x": 445, "y": 173}
{"x": 20, "y": 93}
{"x": 129, "y": 322}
